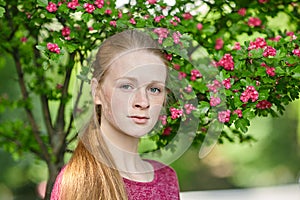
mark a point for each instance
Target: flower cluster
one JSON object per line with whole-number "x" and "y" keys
{"x": 214, "y": 101}
{"x": 227, "y": 83}
{"x": 51, "y": 7}
{"x": 73, "y": 4}
{"x": 264, "y": 104}
{"x": 249, "y": 94}
{"x": 176, "y": 112}
{"x": 254, "y": 21}
{"x": 53, "y": 47}
{"x": 213, "y": 87}
{"x": 189, "y": 108}
{"x": 89, "y": 7}
{"x": 226, "y": 62}
{"x": 162, "y": 34}
{"x": 195, "y": 74}
{"x": 219, "y": 44}
{"x": 224, "y": 116}
{"x": 269, "y": 51}
{"x": 258, "y": 43}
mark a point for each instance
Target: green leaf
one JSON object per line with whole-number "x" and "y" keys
{"x": 168, "y": 42}
{"x": 2, "y": 11}
{"x": 248, "y": 113}
{"x": 42, "y": 3}
{"x": 40, "y": 47}
{"x": 242, "y": 124}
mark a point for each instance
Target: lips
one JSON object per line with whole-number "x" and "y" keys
{"x": 139, "y": 119}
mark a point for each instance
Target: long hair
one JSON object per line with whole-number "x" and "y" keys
{"x": 85, "y": 176}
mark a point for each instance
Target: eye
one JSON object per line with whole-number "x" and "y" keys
{"x": 155, "y": 90}
{"x": 126, "y": 87}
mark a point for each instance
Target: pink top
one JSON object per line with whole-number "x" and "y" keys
{"x": 164, "y": 185}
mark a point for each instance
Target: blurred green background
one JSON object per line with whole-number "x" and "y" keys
{"x": 274, "y": 159}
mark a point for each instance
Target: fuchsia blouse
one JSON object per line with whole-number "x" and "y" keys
{"x": 164, "y": 185}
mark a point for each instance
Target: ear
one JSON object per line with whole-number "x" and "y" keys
{"x": 95, "y": 91}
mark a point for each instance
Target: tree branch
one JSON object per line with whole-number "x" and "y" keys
{"x": 59, "y": 136}
{"x": 25, "y": 96}
{"x": 44, "y": 98}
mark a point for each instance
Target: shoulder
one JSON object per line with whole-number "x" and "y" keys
{"x": 163, "y": 171}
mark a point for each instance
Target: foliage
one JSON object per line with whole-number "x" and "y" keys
{"x": 48, "y": 40}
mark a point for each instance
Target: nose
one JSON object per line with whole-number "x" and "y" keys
{"x": 140, "y": 99}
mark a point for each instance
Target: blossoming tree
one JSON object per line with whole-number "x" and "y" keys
{"x": 254, "y": 65}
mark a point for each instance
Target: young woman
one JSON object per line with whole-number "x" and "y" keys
{"x": 128, "y": 89}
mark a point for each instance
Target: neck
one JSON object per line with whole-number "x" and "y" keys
{"x": 123, "y": 149}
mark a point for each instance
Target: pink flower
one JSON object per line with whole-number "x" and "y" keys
{"x": 163, "y": 119}
{"x": 227, "y": 62}
{"x": 176, "y": 37}
{"x": 214, "y": 86}
{"x": 219, "y": 44}
{"x": 23, "y": 39}
{"x": 73, "y": 4}
{"x": 238, "y": 112}
{"x": 237, "y": 46}
{"x": 99, "y": 3}
{"x": 108, "y": 12}
{"x": 263, "y": 1}
{"x": 132, "y": 21}
{"x": 249, "y": 94}
{"x": 53, "y": 47}
{"x": 177, "y": 19}
{"x": 189, "y": 108}
{"x": 167, "y": 131}
{"x": 169, "y": 57}
{"x": 292, "y": 35}
{"x": 224, "y": 116}
{"x": 158, "y": 18}
{"x": 242, "y": 11}
{"x": 187, "y": 16}
{"x": 296, "y": 52}
{"x": 162, "y": 34}
{"x": 254, "y": 21}
{"x": 195, "y": 74}
{"x": 66, "y": 31}
{"x": 214, "y": 101}
{"x": 276, "y": 39}
{"x": 181, "y": 75}
{"x": 199, "y": 26}
{"x": 270, "y": 71}
{"x": 120, "y": 14}
{"x": 51, "y": 7}
{"x": 258, "y": 43}
{"x": 174, "y": 23}
{"x": 113, "y": 23}
{"x": 89, "y": 7}
{"x": 176, "y": 66}
{"x": 227, "y": 83}
{"x": 176, "y": 113}
{"x": 152, "y": 1}
{"x": 269, "y": 51}
{"x": 188, "y": 89}
{"x": 264, "y": 104}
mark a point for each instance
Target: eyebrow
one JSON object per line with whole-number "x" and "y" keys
{"x": 135, "y": 80}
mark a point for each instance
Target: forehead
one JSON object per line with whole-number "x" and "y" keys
{"x": 142, "y": 65}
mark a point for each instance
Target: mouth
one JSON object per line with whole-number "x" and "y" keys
{"x": 139, "y": 119}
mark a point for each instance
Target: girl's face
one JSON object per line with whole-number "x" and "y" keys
{"x": 132, "y": 93}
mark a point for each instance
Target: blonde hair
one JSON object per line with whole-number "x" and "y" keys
{"x": 85, "y": 176}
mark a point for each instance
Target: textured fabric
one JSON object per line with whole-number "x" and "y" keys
{"x": 164, "y": 185}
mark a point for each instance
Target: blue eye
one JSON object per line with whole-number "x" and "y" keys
{"x": 126, "y": 87}
{"x": 155, "y": 90}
